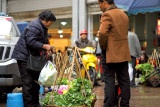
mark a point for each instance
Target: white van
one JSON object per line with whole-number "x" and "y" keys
{"x": 9, "y": 72}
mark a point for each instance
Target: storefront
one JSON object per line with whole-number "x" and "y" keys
{"x": 142, "y": 19}
{"x": 29, "y": 9}
{"x": 84, "y": 14}
{"x": 61, "y": 30}
{"x": 145, "y": 26}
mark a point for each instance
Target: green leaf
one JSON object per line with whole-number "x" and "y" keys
{"x": 74, "y": 96}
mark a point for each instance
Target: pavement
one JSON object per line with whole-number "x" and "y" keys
{"x": 142, "y": 96}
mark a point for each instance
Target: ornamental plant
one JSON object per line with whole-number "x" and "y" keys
{"x": 146, "y": 69}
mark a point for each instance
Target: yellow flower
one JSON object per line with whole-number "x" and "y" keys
{"x": 64, "y": 91}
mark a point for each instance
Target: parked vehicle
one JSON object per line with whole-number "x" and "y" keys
{"x": 90, "y": 61}
{"x": 9, "y": 72}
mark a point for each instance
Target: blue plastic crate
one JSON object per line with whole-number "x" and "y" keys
{"x": 14, "y": 100}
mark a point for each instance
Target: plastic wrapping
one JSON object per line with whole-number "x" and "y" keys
{"x": 47, "y": 75}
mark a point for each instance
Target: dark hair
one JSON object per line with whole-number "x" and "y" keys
{"x": 59, "y": 51}
{"x": 130, "y": 29}
{"x": 47, "y": 16}
{"x": 145, "y": 58}
{"x": 109, "y": 1}
{"x": 49, "y": 35}
{"x": 52, "y": 49}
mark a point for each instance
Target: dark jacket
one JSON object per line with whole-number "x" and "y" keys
{"x": 31, "y": 40}
{"x": 80, "y": 43}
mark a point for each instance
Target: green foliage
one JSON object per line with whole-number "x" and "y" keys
{"x": 69, "y": 99}
{"x": 75, "y": 95}
{"x": 146, "y": 69}
{"x": 63, "y": 82}
{"x": 46, "y": 99}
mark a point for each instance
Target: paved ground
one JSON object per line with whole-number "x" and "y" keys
{"x": 142, "y": 96}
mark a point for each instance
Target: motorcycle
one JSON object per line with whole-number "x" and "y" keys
{"x": 90, "y": 62}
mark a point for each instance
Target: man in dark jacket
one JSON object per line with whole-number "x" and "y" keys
{"x": 32, "y": 41}
{"x": 83, "y": 42}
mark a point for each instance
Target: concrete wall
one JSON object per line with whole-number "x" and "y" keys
{"x": 151, "y": 23}
{"x": 144, "y": 26}
{"x": 79, "y": 17}
{"x": 3, "y": 6}
{"x": 33, "y": 5}
{"x": 139, "y": 27}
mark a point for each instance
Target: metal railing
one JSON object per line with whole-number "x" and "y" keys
{"x": 6, "y": 52}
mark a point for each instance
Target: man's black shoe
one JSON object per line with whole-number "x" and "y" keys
{"x": 134, "y": 86}
{"x": 102, "y": 80}
{"x": 97, "y": 84}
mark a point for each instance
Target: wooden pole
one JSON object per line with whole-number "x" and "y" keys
{"x": 83, "y": 64}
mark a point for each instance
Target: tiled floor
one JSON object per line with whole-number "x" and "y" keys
{"x": 142, "y": 96}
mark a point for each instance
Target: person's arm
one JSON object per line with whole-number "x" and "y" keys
{"x": 104, "y": 30}
{"x": 77, "y": 43}
{"x": 46, "y": 46}
{"x": 32, "y": 37}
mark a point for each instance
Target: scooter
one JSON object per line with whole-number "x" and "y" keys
{"x": 90, "y": 62}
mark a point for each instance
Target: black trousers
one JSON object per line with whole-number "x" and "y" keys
{"x": 134, "y": 70}
{"x": 30, "y": 85}
{"x": 121, "y": 70}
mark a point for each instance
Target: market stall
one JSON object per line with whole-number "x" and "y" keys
{"x": 66, "y": 89}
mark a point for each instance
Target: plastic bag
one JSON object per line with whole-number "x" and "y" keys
{"x": 47, "y": 75}
{"x": 130, "y": 71}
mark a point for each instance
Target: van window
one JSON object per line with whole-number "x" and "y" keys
{"x": 7, "y": 27}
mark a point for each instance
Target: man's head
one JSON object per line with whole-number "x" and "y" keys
{"x": 53, "y": 50}
{"x": 83, "y": 34}
{"x": 129, "y": 29}
{"x": 49, "y": 36}
{"x": 47, "y": 18}
{"x": 104, "y": 4}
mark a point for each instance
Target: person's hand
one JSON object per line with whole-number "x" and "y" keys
{"x": 79, "y": 49}
{"x": 98, "y": 34}
{"x": 47, "y": 47}
{"x": 48, "y": 54}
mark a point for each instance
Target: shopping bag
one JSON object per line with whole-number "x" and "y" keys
{"x": 130, "y": 71}
{"x": 47, "y": 75}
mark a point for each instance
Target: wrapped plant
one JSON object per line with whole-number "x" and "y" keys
{"x": 146, "y": 69}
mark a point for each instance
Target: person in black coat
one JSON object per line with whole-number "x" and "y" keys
{"x": 32, "y": 41}
{"x": 143, "y": 59}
